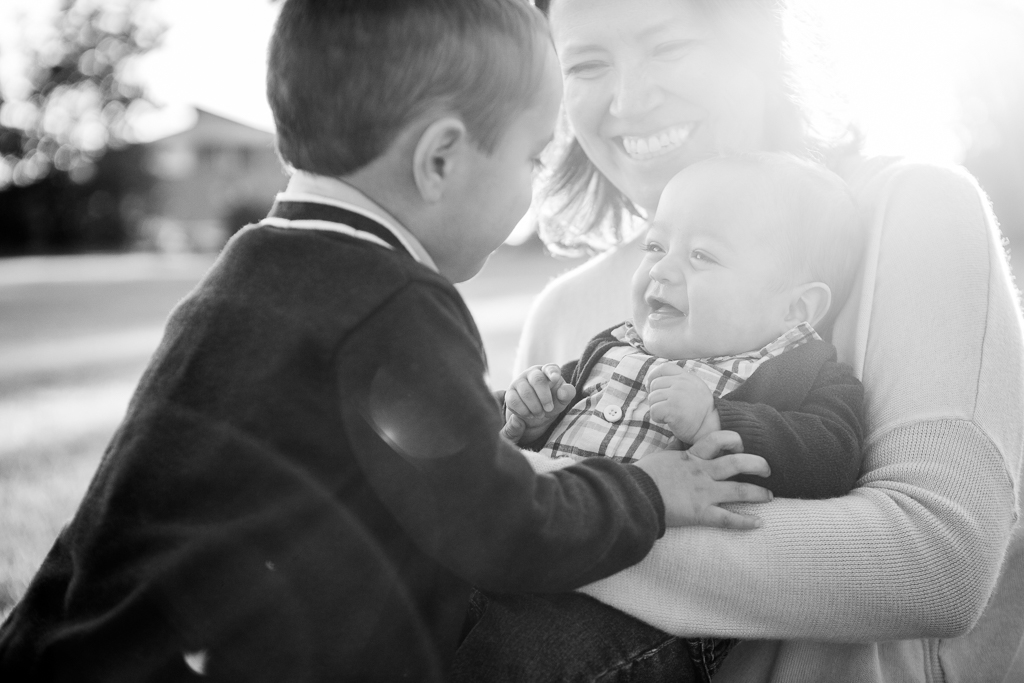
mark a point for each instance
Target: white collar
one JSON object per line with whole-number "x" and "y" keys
{"x": 309, "y": 187}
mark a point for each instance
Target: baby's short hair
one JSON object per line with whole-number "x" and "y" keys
{"x": 345, "y": 77}
{"x": 819, "y": 227}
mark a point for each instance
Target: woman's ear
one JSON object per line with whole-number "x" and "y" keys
{"x": 436, "y": 156}
{"x": 809, "y": 304}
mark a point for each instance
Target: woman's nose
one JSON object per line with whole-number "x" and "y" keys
{"x": 635, "y": 93}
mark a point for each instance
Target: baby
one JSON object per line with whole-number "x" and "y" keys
{"x": 744, "y": 259}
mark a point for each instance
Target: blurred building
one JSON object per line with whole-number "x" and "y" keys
{"x": 210, "y": 180}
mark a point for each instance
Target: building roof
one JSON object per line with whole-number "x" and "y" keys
{"x": 212, "y": 130}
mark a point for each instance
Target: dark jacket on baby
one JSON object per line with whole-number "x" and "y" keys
{"x": 801, "y": 411}
{"x": 307, "y": 481}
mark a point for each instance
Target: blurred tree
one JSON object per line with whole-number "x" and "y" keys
{"x": 58, "y": 189}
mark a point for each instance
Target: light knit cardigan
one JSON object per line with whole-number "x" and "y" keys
{"x": 911, "y": 557}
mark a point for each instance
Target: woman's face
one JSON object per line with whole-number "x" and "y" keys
{"x": 650, "y": 89}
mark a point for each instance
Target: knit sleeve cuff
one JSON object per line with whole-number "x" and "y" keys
{"x": 736, "y": 416}
{"x": 650, "y": 489}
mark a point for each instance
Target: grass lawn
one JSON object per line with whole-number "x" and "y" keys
{"x": 39, "y": 491}
{"x": 51, "y": 439}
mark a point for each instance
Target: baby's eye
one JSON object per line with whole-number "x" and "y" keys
{"x": 702, "y": 257}
{"x": 651, "y": 247}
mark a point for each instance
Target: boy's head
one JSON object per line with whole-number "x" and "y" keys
{"x": 425, "y": 105}
{"x": 741, "y": 250}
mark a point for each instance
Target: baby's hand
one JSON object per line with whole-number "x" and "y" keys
{"x": 692, "y": 483}
{"x": 681, "y": 401}
{"x": 536, "y": 398}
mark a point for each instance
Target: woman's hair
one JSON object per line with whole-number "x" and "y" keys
{"x": 581, "y": 210}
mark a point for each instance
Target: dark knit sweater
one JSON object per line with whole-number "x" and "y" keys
{"x": 801, "y": 411}
{"x": 308, "y": 479}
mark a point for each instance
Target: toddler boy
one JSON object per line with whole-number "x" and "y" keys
{"x": 309, "y": 473}
{"x": 745, "y": 257}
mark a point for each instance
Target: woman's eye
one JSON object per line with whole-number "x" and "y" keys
{"x": 538, "y": 165}
{"x": 586, "y": 69}
{"x": 702, "y": 257}
{"x": 674, "y": 49}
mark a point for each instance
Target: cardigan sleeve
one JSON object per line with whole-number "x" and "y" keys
{"x": 424, "y": 428}
{"x": 916, "y": 549}
{"x": 814, "y": 448}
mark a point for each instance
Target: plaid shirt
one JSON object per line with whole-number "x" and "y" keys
{"x": 614, "y": 420}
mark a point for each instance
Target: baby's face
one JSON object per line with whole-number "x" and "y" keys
{"x": 713, "y": 282}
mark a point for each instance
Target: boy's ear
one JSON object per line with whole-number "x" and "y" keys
{"x": 436, "y": 156}
{"x": 809, "y": 304}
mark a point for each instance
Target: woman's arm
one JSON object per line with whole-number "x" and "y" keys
{"x": 915, "y": 551}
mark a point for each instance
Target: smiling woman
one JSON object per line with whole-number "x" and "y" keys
{"x": 620, "y": 69}
{"x": 914, "y": 574}
{"x": 650, "y": 91}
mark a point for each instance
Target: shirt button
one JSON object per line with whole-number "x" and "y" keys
{"x": 612, "y": 413}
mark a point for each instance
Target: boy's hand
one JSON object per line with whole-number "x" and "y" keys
{"x": 692, "y": 482}
{"x": 536, "y": 398}
{"x": 681, "y": 401}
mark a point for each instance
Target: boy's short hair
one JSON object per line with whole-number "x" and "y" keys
{"x": 345, "y": 77}
{"x": 818, "y": 223}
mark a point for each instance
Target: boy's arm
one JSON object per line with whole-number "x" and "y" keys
{"x": 814, "y": 450}
{"x": 424, "y": 429}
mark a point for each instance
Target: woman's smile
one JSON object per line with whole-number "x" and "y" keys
{"x": 650, "y": 91}
{"x": 658, "y": 144}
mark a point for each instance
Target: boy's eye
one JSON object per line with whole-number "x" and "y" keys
{"x": 703, "y": 257}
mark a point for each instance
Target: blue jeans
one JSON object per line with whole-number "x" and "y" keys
{"x": 573, "y": 637}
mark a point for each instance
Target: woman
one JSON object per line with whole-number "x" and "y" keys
{"x": 892, "y": 582}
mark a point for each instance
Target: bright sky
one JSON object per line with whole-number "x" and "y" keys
{"x": 899, "y": 61}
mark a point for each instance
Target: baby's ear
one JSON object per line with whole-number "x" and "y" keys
{"x": 436, "y": 155}
{"x": 809, "y": 304}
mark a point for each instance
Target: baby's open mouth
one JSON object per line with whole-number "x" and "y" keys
{"x": 660, "y": 309}
{"x": 662, "y": 142}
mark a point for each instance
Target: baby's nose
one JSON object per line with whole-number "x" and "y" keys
{"x": 664, "y": 273}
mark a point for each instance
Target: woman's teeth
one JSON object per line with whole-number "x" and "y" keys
{"x": 657, "y": 144}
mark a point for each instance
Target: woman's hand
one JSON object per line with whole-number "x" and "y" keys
{"x": 692, "y": 482}
{"x": 681, "y": 401}
{"x": 534, "y": 400}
